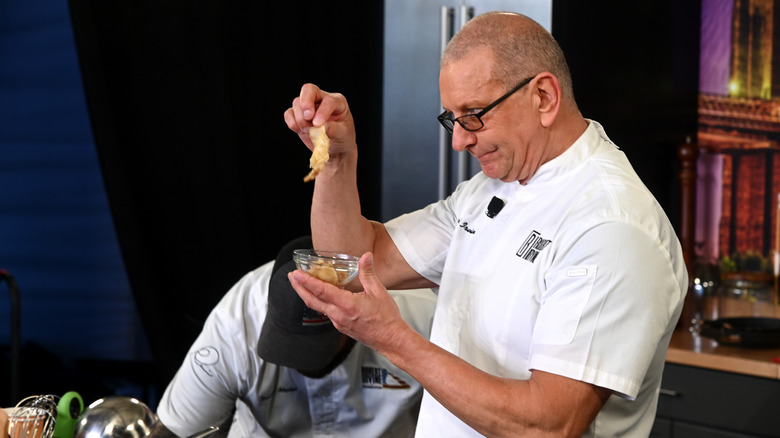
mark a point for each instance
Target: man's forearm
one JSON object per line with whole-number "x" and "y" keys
{"x": 544, "y": 405}
{"x": 337, "y": 223}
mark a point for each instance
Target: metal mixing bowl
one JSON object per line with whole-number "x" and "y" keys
{"x": 116, "y": 417}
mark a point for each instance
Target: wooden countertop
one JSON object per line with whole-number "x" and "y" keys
{"x": 687, "y": 348}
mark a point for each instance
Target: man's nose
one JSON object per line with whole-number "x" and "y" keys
{"x": 462, "y": 139}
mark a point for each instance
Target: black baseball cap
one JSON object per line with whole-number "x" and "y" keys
{"x": 294, "y": 335}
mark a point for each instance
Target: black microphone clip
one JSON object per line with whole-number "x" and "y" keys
{"x": 494, "y": 207}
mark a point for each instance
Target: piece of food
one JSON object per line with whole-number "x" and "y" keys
{"x": 324, "y": 273}
{"x": 319, "y": 155}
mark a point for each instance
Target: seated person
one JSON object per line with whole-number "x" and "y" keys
{"x": 280, "y": 369}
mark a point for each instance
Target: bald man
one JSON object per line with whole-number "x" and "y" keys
{"x": 560, "y": 278}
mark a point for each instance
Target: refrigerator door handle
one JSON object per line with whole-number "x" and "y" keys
{"x": 447, "y": 18}
{"x": 466, "y": 14}
{"x": 444, "y": 163}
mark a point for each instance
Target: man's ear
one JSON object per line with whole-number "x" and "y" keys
{"x": 548, "y": 92}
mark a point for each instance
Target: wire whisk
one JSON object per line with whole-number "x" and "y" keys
{"x": 33, "y": 417}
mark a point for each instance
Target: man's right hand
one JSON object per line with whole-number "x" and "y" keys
{"x": 315, "y": 107}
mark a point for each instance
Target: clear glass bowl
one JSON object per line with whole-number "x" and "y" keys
{"x": 332, "y": 267}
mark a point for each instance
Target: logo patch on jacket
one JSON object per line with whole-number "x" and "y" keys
{"x": 374, "y": 377}
{"x": 532, "y": 246}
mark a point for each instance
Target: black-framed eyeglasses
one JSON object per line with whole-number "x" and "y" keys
{"x": 473, "y": 122}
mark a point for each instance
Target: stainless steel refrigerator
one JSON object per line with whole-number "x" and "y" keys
{"x": 418, "y": 163}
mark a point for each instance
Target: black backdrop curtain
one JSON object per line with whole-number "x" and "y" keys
{"x": 204, "y": 180}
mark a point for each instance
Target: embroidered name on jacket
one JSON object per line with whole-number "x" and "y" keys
{"x": 465, "y": 226}
{"x": 532, "y": 246}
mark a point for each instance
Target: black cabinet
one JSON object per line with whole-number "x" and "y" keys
{"x": 697, "y": 402}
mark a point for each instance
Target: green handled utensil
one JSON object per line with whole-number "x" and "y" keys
{"x": 67, "y": 416}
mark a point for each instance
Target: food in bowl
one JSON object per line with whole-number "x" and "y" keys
{"x": 332, "y": 267}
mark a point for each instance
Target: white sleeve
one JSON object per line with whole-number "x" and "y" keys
{"x": 220, "y": 365}
{"x": 605, "y": 313}
{"x": 424, "y": 236}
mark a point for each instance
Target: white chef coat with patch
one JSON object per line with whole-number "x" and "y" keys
{"x": 579, "y": 274}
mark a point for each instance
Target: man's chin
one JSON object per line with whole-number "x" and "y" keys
{"x": 491, "y": 172}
